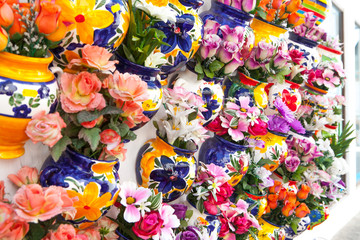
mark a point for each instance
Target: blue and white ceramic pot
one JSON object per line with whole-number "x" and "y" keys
{"x": 209, "y": 89}
{"x": 166, "y": 168}
{"x": 302, "y": 227}
{"x": 228, "y": 155}
{"x": 94, "y": 182}
{"x": 152, "y": 78}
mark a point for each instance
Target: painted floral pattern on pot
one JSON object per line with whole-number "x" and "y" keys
{"x": 270, "y": 231}
{"x": 259, "y": 209}
{"x": 320, "y": 9}
{"x": 209, "y": 90}
{"x": 165, "y": 168}
{"x": 302, "y": 227}
{"x": 97, "y": 22}
{"x": 94, "y": 182}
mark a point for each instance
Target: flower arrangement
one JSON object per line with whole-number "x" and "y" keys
{"x": 244, "y": 5}
{"x": 27, "y": 28}
{"x": 143, "y": 39}
{"x": 279, "y": 12}
{"x": 286, "y": 206}
{"x": 309, "y": 30}
{"x": 143, "y": 215}
{"x": 298, "y": 70}
{"x": 268, "y": 62}
{"x": 222, "y": 49}
{"x": 97, "y": 109}
{"x": 331, "y": 42}
{"x": 182, "y": 127}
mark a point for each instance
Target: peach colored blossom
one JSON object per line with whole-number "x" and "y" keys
{"x": 108, "y": 226}
{"x": 26, "y": 175}
{"x": 119, "y": 152}
{"x": 65, "y": 232}
{"x": 17, "y": 231}
{"x": 45, "y": 128}
{"x": 92, "y": 123}
{"x": 33, "y": 203}
{"x": 47, "y": 19}
{"x": 91, "y": 233}
{"x": 127, "y": 87}
{"x": 133, "y": 113}
{"x": 95, "y": 57}
{"x": 6, "y": 14}
{"x": 68, "y": 208}
{"x": 11, "y": 226}
{"x": 81, "y": 92}
{"x": 2, "y": 190}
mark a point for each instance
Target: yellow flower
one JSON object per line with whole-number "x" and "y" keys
{"x": 105, "y": 168}
{"x": 148, "y": 105}
{"x": 90, "y": 203}
{"x": 82, "y": 16}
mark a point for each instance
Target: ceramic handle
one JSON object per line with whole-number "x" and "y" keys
{"x": 57, "y": 71}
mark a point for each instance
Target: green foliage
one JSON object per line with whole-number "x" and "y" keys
{"x": 341, "y": 143}
{"x": 91, "y": 136}
{"x": 59, "y": 147}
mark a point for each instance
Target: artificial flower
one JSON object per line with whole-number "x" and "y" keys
{"x": 26, "y": 175}
{"x": 149, "y": 225}
{"x": 111, "y": 138}
{"x": 155, "y": 59}
{"x": 48, "y": 16}
{"x": 65, "y": 231}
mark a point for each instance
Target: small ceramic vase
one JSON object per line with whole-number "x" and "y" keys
{"x": 100, "y": 23}
{"x": 328, "y": 54}
{"x": 270, "y": 231}
{"x": 209, "y": 89}
{"x": 166, "y": 168}
{"x": 259, "y": 209}
{"x": 302, "y": 227}
{"x": 320, "y": 8}
{"x": 152, "y": 78}
{"x": 27, "y": 87}
{"x": 245, "y": 86}
{"x": 264, "y": 29}
{"x": 230, "y": 156}
{"x": 307, "y": 47}
{"x": 94, "y": 182}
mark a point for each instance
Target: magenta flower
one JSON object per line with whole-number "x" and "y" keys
{"x": 235, "y": 127}
{"x": 210, "y": 45}
{"x": 234, "y": 64}
{"x": 278, "y": 124}
{"x": 310, "y": 20}
{"x": 284, "y": 110}
{"x": 264, "y": 51}
{"x": 292, "y": 161}
{"x": 211, "y": 27}
{"x": 328, "y": 79}
{"x": 248, "y": 5}
{"x": 235, "y": 35}
{"x": 251, "y": 62}
{"x": 338, "y": 68}
{"x": 131, "y": 197}
{"x": 281, "y": 59}
{"x": 227, "y": 51}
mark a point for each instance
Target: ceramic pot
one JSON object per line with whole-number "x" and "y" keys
{"x": 183, "y": 36}
{"x": 302, "y": 227}
{"x": 230, "y": 156}
{"x": 264, "y": 29}
{"x": 318, "y": 216}
{"x": 320, "y": 8}
{"x": 121, "y": 236}
{"x": 166, "y": 168}
{"x": 245, "y": 86}
{"x": 261, "y": 201}
{"x": 289, "y": 94}
{"x": 152, "y": 78}
{"x": 27, "y": 87}
{"x": 307, "y": 47}
{"x": 94, "y": 182}
{"x": 314, "y": 90}
{"x": 270, "y": 231}
{"x": 209, "y": 89}
{"x": 329, "y": 54}
{"x": 101, "y": 23}
{"x": 275, "y": 149}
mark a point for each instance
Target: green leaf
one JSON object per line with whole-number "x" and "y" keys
{"x": 11, "y": 101}
{"x": 18, "y": 97}
{"x": 294, "y": 224}
{"x": 189, "y": 214}
{"x": 92, "y": 136}
{"x": 85, "y": 116}
{"x": 102, "y": 3}
{"x": 215, "y": 66}
{"x": 208, "y": 73}
{"x": 130, "y": 136}
{"x": 155, "y": 201}
{"x": 198, "y": 68}
{"x": 78, "y": 143}
{"x": 265, "y": 161}
{"x": 60, "y": 147}
{"x": 36, "y": 231}
{"x": 192, "y": 116}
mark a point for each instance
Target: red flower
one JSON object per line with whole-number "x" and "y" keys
{"x": 148, "y": 225}
{"x": 259, "y": 128}
{"x": 215, "y": 127}
{"x": 224, "y": 230}
{"x": 226, "y": 190}
{"x": 296, "y": 56}
{"x": 289, "y": 100}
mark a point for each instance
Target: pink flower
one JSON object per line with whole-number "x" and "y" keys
{"x": 26, "y": 175}
{"x": 148, "y": 226}
{"x": 316, "y": 189}
{"x": 236, "y": 131}
{"x": 281, "y": 59}
{"x": 234, "y": 35}
{"x": 2, "y": 191}
{"x": 131, "y": 197}
{"x": 170, "y": 221}
{"x": 119, "y": 152}
{"x": 108, "y": 227}
{"x": 310, "y": 20}
{"x": 217, "y": 172}
{"x": 340, "y": 99}
{"x": 33, "y": 203}
{"x": 209, "y": 46}
{"x": 292, "y": 162}
{"x": 248, "y": 5}
{"x": 128, "y": 87}
{"x": 234, "y": 64}
{"x": 215, "y": 127}
{"x": 338, "y": 68}
{"x": 296, "y": 56}
{"x": 111, "y": 138}
{"x": 264, "y": 50}
{"x": 11, "y": 226}
{"x": 211, "y": 27}
{"x": 92, "y": 123}
{"x": 95, "y": 57}
{"x": 222, "y": 196}
{"x": 81, "y": 92}
{"x": 328, "y": 79}
{"x": 227, "y": 51}
{"x": 133, "y": 113}
{"x": 65, "y": 231}
{"x": 91, "y": 233}
{"x": 259, "y": 128}
{"x": 45, "y": 128}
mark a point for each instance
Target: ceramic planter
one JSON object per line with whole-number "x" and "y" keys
{"x": 230, "y": 156}
{"x": 27, "y": 87}
{"x": 152, "y": 78}
{"x": 264, "y": 29}
{"x": 307, "y": 47}
{"x": 302, "y": 227}
{"x": 94, "y": 182}
{"x": 209, "y": 89}
{"x": 314, "y": 90}
{"x": 166, "y": 168}
{"x": 320, "y": 8}
{"x": 318, "y": 216}
{"x": 101, "y": 23}
{"x": 328, "y": 54}
{"x": 259, "y": 209}
{"x": 270, "y": 231}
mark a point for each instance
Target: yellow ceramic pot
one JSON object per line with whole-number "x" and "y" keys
{"x": 27, "y": 87}
{"x": 263, "y": 30}
{"x": 270, "y": 231}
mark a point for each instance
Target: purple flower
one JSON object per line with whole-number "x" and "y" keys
{"x": 284, "y": 110}
{"x": 191, "y": 233}
{"x": 251, "y": 62}
{"x": 310, "y": 20}
{"x": 278, "y": 124}
{"x": 180, "y": 210}
{"x": 227, "y": 51}
{"x": 210, "y": 45}
{"x": 264, "y": 51}
{"x": 234, "y": 64}
{"x": 235, "y": 35}
{"x": 248, "y": 5}
{"x": 300, "y": 30}
{"x": 281, "y": 59}
{"x": 297, "y": 126}
{"x": 211, "y": 27}
{"x": 267, "y": 182}
{"x": 292, "y": 162}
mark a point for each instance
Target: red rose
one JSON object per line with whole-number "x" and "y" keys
{"x": 224, "y": 230}
{"x": 259, "y": 128}
{"x": 226, "y": 190}
{"x": 296, "y": 56}
{"x": 242, "y": 224}
{"x": 148, "y": 225}
{"x": 215, "y": 127}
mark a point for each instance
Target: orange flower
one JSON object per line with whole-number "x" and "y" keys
{"x": 47, "y": 20}
{"x": 105, "y": 168}
{"x": 276, "y": 4}
{"x": 90, "y": 203}
{"x": 282, "y": 12}
{"x": 293, "y": 18}
{"x": 288, "y": 209}
{"x": 3, "y": 39}
{"x": 276, "y": 187}
{"x": 6, "y": 14}
{"x": 271, "y": 15}
{"x": 302, "y": 210}
{"x": 59, "y": 33}
{"x": 263, "y": 4}
{"x": 293, "y": 6}
{"x": 19, "y": 26}
{"x": 282, "y": 194}
{"x": 304, "y": 192}
{"x": 272, "y": 201}
{"x": 290, "y": 198}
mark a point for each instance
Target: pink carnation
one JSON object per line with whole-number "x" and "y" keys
{"x": 45, "y": 128}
